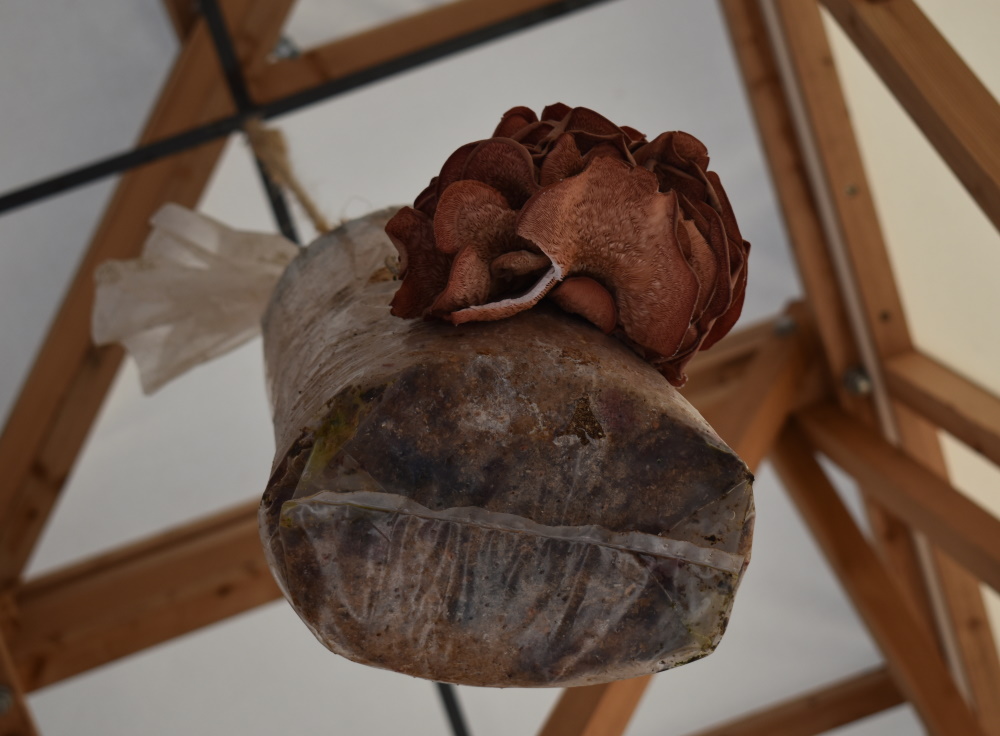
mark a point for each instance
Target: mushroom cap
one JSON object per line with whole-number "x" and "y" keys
{"x": 612, "y": 224}
{"x": 636, "y": 236}
{"x": 424, "y": 268}
{"x": 584, "y": 296}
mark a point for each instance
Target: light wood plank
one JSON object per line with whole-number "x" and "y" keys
{"x": 954, "y": 403}
{"x": 738, "y": 345}
{"x": 776, "y": 130}
{"x": 69, "y": 379}
{"x": 963, "y": 608}
{"x": 183, "y": 15}
{"x": 843, "y": 173}
{"x": 713, "y": 374}
{"x": 15, "y": 717}
{"x": 963, "y": 529}
{"x": 820, "y": 710}
{"x": 952, "y": 107}
{"x": 595, "y": 710}
{"x": 716, "y": 380}
{"x": 119, "y": 603}
{"x": 765, "y": 397}
{"x": 909, "y": 648}
{"x": 768, "y": 391}
{"x": 385, "y": 43}
{"x": 841, "y": 184}
{"x": 787, "y": 160}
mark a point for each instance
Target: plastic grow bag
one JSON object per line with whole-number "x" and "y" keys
{"x": 515, "y": 503}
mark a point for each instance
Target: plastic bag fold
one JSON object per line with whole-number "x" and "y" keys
{"x": 197, "y": 291}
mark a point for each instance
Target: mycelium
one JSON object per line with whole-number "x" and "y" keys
{"x": 508, "y": 492}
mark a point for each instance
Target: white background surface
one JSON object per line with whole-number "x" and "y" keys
{"x": 77, "y": 84}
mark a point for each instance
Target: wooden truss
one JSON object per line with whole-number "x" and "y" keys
{"x": 774, "y": 390}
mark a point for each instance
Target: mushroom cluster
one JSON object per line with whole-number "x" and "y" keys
{"x": 636, "y": 236}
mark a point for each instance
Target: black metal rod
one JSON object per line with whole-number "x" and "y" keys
{"x": 237, "y": 88}
{"x": 216, "y": 129}
{"x": 279, "y": 205}
{"x": 233, "y": 72}
{"x": 120, "y": 162}
{"x": 231, "y": 68}
{"x": 451, "y": 708}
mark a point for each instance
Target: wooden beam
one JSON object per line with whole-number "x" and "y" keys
{"x": 904, "y": 639}
{"x": 960, "y": 527}
{"x": 766, "y": 396}
{"x": 738, "y": 346}
{"x": 946, "y": 100}
{"x": 715, "y": 403}
{"x": 768, "y": 391}
{"x": 954, "y": 403}
{"x": 595, "y": 710}
{"x": 119, "y": 603}
{"x": 716, "y": 378}
{"x": 776, "y": 130}
{"x": 963, "y": 611}
{"x": 973, "y": 636}
{"x": 841, "y": 175}
{"x": 70, "y": 377}
{"x": 713, "y": 373}
{"x": 820, "y": 710}
{"x": 15, "y": 718}
{"x": 811, "y": 244}
{"x": 183, "y": 15}
{"x": 380, "y": 45}
{"x": 866, "y": 276}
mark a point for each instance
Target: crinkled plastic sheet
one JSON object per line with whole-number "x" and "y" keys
{"x": 197, "y": 291}
{"x": 501, "y": 599}
{"x": 519, "y": 503}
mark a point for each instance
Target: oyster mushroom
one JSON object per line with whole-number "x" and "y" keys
{"x": 645, "y": 222}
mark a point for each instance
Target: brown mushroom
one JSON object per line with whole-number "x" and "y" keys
{"x": 637, "y": 236}
{"x": 612, "y": 220}
{"x": 426, "y": 269}
{"x": 506, "y": 166}
{"x": 474, "y": 222}
{"x": 584, "y": 296}
{"x": 563, "y": 160}
{"x": 519, "y": 263}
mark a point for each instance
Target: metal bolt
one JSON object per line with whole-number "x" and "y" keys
{"x": 857, "y": 381}
{"x": 785, "y": 325}
{"x": 6, "y": 699}
{"x": 285, "y": 49}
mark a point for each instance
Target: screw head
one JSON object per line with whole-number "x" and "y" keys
{"x": 784, "y": 325}
{"x": 857, "y": 381}
{"x": 285, "y": 49}
{"x": 6, "y": 699}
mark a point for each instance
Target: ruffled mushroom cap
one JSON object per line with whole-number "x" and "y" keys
{"x": 426, "y": 268}
{"x": 635, "y": 236}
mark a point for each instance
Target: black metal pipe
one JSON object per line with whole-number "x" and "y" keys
{"x": 237, "y": 88}
{"x": 449, "y": 698}
{"x": 230, "y": 63}
{"x": 279, "y": 205}
{"x": 233, "y": 72}
{"x": 120, "y": 162}
{"x": 216, "y": 129}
